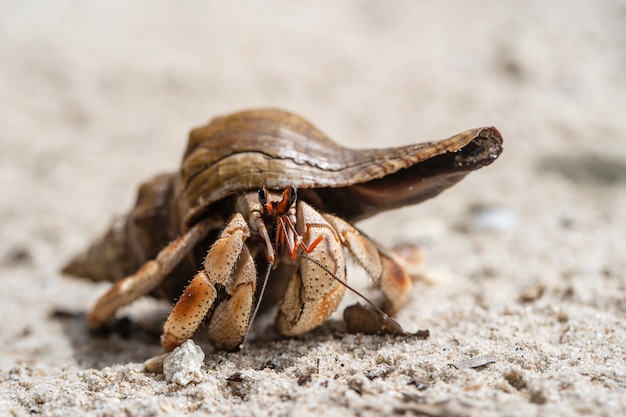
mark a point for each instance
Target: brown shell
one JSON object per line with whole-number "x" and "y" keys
{"x": 274, "y": 149}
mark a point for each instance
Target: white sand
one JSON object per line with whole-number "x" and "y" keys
{"x": 526, "y": 258}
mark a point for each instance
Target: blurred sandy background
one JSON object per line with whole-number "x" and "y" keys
{"x": 525, "y": 258}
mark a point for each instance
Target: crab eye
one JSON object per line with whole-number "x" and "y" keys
{"x": 293, "y": 194}
{"x": 289, "y": 197}
{"x": 263, "y": 196}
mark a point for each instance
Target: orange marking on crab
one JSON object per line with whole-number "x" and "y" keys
{"x": 396, "y": 285}
{"x": 395, "y": 272}
{"x": 293, "y": 245}
{"x": 189, "y": 311}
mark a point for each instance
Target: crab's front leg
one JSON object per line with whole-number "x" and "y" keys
{"x": 314, "y": 292}
{"x": 228, "y": 265}
{"x": 148, "y": 277}
{"x": 382, "y": 267}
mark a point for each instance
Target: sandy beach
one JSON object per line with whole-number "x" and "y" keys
{"x": 525, "y": 258}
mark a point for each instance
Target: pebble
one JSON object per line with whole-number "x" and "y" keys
{"x": 184, "y": 364}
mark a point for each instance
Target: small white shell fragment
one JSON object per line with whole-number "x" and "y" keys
{"x": 475, "y": 362}
{"x": 184, "y": 364}
{"x": 493, "y": 219}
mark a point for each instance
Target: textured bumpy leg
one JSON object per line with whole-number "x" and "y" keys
{"x": 220, "y": 266}
{"x": 395, "y": 284}
{"x": 229, "y": 322}
{"x": 148, "y": 277}
{"x": 385, "y": 271}
{"x": 312, "y": 294}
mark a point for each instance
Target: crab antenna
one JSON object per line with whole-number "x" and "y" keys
{"x": 256, "y": 307}
{"x": 367, "y": 300}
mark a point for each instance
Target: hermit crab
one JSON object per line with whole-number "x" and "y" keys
{"x": 264, "y": 199}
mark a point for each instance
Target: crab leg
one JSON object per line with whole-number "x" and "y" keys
{"x": 148, "y": 277}
{"x": 228, "y": 265}
{"x": 292, "y": 238}
{"x": 313, "y": 293}
{"x": 229, "y": 322}
{"x": 383, "y": 269}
